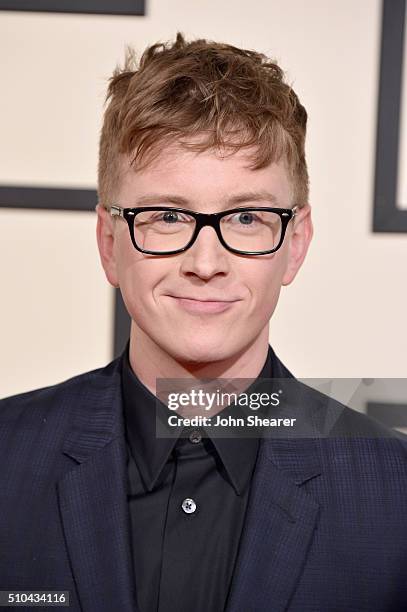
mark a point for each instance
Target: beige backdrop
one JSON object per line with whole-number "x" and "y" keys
{"x": 344, "y": 315}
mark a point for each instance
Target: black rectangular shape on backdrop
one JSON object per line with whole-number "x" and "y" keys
{"x": 101, "y": 7}
{"x": 387, "y": 215}
{"x": 47, "y": 198}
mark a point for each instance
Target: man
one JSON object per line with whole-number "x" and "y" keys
{"x": 203, "y": 216}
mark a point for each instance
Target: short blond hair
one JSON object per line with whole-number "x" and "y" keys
{"x": 229, "y": 97}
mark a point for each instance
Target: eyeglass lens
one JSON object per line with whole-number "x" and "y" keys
{"x": 167, "y": 230}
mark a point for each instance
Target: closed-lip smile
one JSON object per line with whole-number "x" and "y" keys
{"x": 206, "y": 306}
{"x": 195, "y": 299}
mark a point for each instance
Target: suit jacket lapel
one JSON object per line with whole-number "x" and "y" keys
{"x": 92, "y": 498}
{"x": 279, "y": 525}
{"x": 280, "y": 521}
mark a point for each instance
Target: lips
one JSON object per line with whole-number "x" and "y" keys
{"x": 198, "y": 299}
{"x": 194, "y": 306}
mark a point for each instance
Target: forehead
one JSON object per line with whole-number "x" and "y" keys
{"x": 205, "y": 178}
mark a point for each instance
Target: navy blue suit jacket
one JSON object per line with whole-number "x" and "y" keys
{"x": 325, "y": 530}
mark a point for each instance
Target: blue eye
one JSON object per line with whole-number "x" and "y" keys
{"x": 243, "y": 218}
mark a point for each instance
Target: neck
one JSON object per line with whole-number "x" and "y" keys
{"x": 150, "y": 361}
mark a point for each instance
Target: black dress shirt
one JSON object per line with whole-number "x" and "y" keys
{"x": 187, "y": 500}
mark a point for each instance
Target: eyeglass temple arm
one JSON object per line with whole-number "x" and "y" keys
{"x": 116, "y": 211}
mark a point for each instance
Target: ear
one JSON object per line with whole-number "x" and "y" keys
{"x": 299, "y": 240}
{"x": 105, "y": 234}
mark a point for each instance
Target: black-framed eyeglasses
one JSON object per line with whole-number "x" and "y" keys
{"x": 247, "y": 230}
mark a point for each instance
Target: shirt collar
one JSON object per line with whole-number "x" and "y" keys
{"x": 151, "y": 453}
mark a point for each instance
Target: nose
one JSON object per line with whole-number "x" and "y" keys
{"x": 207, "y": 256}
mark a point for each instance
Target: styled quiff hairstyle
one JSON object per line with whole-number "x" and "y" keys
{"x": 226, "y": 96}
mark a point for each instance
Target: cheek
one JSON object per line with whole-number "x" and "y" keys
{"x": 138, "y": 279}
{"x": 265, "y": 285}
{"x": 265, "y": 275}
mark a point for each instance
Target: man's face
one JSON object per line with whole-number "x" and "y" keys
{"x": 151, "y": 284}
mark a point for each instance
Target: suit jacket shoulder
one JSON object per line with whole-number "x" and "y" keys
{"x": 58, "y": 400}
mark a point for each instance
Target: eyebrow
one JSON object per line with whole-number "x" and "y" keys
{"x": 247, "y": 196}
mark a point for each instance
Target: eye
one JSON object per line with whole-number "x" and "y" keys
{"x": 244, "y": 218}
{"x": 169, "y": 216}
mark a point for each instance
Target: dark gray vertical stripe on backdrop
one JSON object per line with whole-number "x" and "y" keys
{"x": 121, "y": 324}
{"x": 387, "y": 216}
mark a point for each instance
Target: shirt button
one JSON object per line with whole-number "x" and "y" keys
{"x": 188, "y": 505}
{"x": 195, "y": 436}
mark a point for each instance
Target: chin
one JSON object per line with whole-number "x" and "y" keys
{"x": 196, "y": 353}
